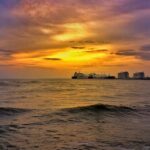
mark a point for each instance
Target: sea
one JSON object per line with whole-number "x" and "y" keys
{"x": 65, "y": 114}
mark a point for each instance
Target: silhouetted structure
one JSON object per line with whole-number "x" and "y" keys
{"x": 147, "y": 78}
{"x": 139, "y": 75}
{"x": 78, "y": 75}
{"x": 123, "y": 75}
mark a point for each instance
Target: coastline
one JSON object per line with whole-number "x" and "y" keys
{"x": 121, "y": 76}
{"x": 105, "y": 79}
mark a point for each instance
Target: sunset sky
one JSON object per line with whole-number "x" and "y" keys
{"x": 55, "y": 38}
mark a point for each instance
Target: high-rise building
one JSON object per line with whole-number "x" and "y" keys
{"x": 139, "y": 75}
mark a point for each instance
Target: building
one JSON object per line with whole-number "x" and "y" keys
{"x": 123, "y": 75}
{"x": 139, "y": 75}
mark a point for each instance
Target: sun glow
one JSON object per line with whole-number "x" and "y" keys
{"x": 72, "y": 31}
{"x": 45, "y": 30}
{"x": 65, "y": 58}
{"x": 77, "y": 56}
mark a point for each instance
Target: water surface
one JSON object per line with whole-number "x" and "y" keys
{"x": 74, "y": 115}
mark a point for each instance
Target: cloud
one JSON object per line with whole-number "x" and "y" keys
{"x": 144, "y": 56}
{"x": 5, "y": 51}
{"x": 127, "y": 53}
{"x": 97, "y": 51}
{"x": 7, "y": 65}
{"x": 135, "y": 53}
{"x": 78, "y": 47}
{"x": 115, "y": 65}
{"x": 29, "y": 29}
{"x": 129, "y": 6}
{"x": 53, "y": 59}
{"x": 24, "y": 21}
{"x": 145, "y": 48}
{"x": 6, "y": 54}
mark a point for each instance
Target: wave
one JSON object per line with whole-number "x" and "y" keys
{"x": 4, "y": 83}
{"x": 7, "y": 111}
{"x": 17, "y": 83}
{"x": 101, "y": 108}
{"x": 8, "y": 83}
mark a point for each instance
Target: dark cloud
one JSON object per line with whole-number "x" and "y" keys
{"x": 7, "y": 51}
{"x": 115, "y": 65}
{"x": 53, "y": 59}
{"x": 78, "y": 47}
{"x": 104, "y": 65}
{"x": 127, "y": 52}
{"x": 144, "y": 56}
{"x": 145, "y": 48}
{"x": 140, "y": 25}
{"x": 84, "y": 42}
{"x": 8, "y": 3}
{"x": 97, "y": 51}
{"x": 6, "y": 54}
{"x": 7, "y": 65}
{"x": 137, "y": 54}
{"x": 128, "y": 6}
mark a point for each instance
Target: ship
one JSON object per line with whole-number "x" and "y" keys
{"x": 79, "y": 75}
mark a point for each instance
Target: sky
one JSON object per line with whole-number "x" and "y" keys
{"x": 55, "y": 38}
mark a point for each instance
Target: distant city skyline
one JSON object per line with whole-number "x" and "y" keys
{"x": 120, "y": 75}
{"x": 55, "y": 38}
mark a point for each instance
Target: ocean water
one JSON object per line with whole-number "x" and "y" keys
{"x": 74, "y": 115}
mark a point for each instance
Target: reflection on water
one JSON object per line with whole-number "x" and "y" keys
{"x": 74, "y": 114}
